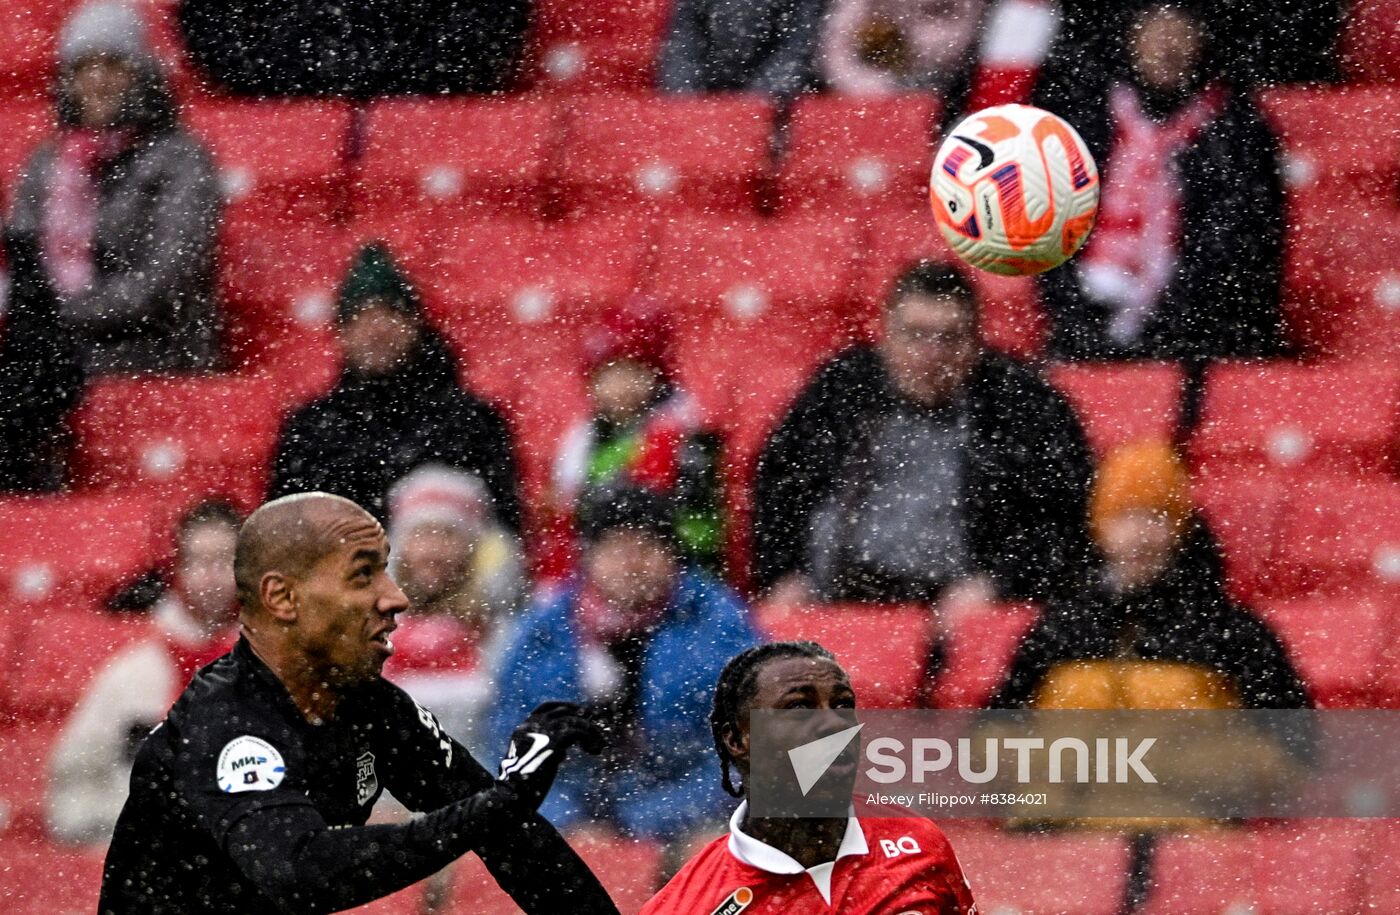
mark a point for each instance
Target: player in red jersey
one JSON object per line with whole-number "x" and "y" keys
{"x": 868, "y": 865}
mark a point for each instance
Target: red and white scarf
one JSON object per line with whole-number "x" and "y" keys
{"x": 1133, "y": 251}
{"x": 70, "y": 213}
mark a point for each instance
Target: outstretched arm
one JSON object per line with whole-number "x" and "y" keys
{"x": 307, "y": 866}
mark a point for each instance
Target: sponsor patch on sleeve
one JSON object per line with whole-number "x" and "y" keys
{"x": 735, "y": 902}
{"x": 249, "y": 763}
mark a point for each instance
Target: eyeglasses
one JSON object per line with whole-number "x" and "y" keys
{"x": 946, "y": 338}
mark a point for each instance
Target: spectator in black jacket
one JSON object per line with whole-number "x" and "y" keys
{"x": 766, "y": 46}
{"x": 1159, "y": 630}
{"x": 398, "y": 405}
{"x": 1185, "y": 261}
{"x": 924, "y": 469}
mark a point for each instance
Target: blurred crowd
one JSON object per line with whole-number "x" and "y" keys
{"x": 918, "y": 467}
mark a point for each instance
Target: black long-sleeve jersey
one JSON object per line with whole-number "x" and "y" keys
{"x": 240, "y": 805}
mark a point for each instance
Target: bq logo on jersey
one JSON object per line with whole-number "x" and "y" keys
{"x": 736, "y": 902}
{"x": 366, "y": 782}
{"x": 249, "y": 763}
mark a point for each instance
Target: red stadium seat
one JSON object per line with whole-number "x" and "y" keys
{"x": 1338, "y": 644}
{"x": 1010, "y": 321}
{"x": 449, "y": 153}
{"x": 280, "y": 292}
{"x": 1341, "y": 300}
{"x": 1355, "y": 142}
{"x": 62, "y": 650}
{"x": 583, "y": 46}
{"x": 848, "y": 154}
{"x": 629, "y": 870}
{"x": 980, "y": 647}
{"x": 185, "y": 436}
{"x": 1042, "y": 875}
{"x": 1371, "y": 42}
{"x": 1343, "y": 537}
{"x": 752, "y": 286}
{"x": 1382, "y": 892}
{"x": 884, "y": 649}
{"x": 1245, "y": 512}
{"x": 1388, "y": 686}
{"x": 1289, "y": 417}
{"x": 1309, "y": 866}
{"x": 512, "y": 296}
{"x": 28, "y": 45}
{"x": 1122, "y": 403}
{"x": 1203, "y": 874}
{"x": 668, "y": 154}
{"x": 22, "y": 126}
{"x": 25, "y": 747}
{"x": 277, "y": 158}
{"x": 74, "y": 549}
{"x": 41, "y": 877}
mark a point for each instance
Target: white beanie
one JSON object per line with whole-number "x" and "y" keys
{"x": 107, "y": 27}
{"x": 435, "y": 493}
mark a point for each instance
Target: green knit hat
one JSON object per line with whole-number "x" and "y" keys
{"x": 374, "y": 278}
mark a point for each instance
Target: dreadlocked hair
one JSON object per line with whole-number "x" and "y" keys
{"x": 736, "y": 687}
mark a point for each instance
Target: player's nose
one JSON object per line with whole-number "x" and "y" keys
{"x": 392, "y": 601}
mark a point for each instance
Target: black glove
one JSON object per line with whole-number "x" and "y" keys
{"x": 538, "y": 747}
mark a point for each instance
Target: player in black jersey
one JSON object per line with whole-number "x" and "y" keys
{"x": 252, "y": 796}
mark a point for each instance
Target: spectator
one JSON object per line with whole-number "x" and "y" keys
{"x": 1159, "y": 631}
{"x": 191, "y": 625}
{"x": 398, "y": 404}
{"x": 118, "y": 211}
{"x": 642, "y": 639}
{"x": 361, "y": 49}
{"x": 766, "y": 46}
{"x": 878, "y": 47}
{"x": 924, "y": 469}
{"x": 464, "y": 577}
{"x": 1185, "y": 260}
{"x": 644, "y": 430}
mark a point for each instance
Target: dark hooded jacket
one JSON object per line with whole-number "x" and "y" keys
{"x": 152, "y": 303}
{"x": 1223, "y": 299}
{"x": 1184, "y": 616}
{"x": 370, "y": 431}
{"x": 1026, "y": 480}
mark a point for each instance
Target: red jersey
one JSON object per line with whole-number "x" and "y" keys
{"x": 885, "y": 866}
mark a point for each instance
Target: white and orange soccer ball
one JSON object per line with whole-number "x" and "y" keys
{"x": 1014, "y": 190}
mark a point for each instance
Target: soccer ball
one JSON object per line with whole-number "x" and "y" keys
{"x": 1014, "y": 190}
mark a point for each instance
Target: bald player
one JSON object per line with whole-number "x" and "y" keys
{"x": 252, "y": 796}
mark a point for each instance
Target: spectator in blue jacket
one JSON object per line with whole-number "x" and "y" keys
{"x": 640, "y": 638}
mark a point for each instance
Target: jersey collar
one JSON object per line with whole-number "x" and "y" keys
{"x": 762, "y": 856}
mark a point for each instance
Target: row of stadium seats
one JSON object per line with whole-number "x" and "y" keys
{"x": 615, "y": 152}
{"x": 1300, "y": 868}
{"x": 444, "y": 178}
{"x": 1294, "y": 464}
{"x": 1344, "y": 644}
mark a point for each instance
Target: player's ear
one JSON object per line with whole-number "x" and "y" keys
{"x": 736, "y": 741}
{"x": 278, "y": 596}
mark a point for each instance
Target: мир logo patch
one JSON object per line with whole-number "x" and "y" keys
{"x": 249, "y": 763}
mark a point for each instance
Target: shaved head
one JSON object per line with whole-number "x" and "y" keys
{"x": 290, "y": 535}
